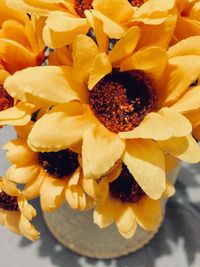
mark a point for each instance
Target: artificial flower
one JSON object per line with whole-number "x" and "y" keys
{"x": 54, "y": 176}
{"x": 15, "y": 212}
{"x": 21, "y": 46}
{"x": 121, "y": 200}
{"x": 99, "y": 123}
{"x": 124, "y": 111}
{"x": 66, "y": 19}
{"x": 188, "y": 22}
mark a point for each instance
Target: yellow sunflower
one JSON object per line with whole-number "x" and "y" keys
{"x": 188, "y": 22}
{"x": 15, "y": 212}
{"x": 54, "y": 176}
{"x": 116, "y": 113}
{"x": 21, "y": 46}
{"x": 67, "y": 18}
{"x": 121, "y": 200}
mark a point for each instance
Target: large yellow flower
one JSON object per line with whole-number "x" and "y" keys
{"x": 121, "y": 200}
{"x": 67, "y": 18}
{"x": 21, "y": 46}
{"x": 119, "y": 114}
{"x": 188, "y": 22}
{"x": 52, "y": 176}
{"x": 15, "y": 212}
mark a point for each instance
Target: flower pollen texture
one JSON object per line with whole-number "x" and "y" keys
{"x": 6, "y": 101}
{"x": 121, "y": 100}
{"x": 137, "y": 3}
{"x": 125, "y": 188}
{"x": 59, "y": 164}
{"x": 8, "y": 202}
{"x": 81, "y": 5}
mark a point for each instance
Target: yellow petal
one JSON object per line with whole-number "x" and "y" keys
{"x": 177, "y": 122}
{"x": 154, "y": 11}
{"x": 19, "y": 153}
{"x": 39, "y": 85}
{"x": 146, "y": 162}
{"x": 170, "y": 162}
{"x": 2, "y": 217}
{"x": 97, "y": 191}
{"x": 63, "y": 126}
{"x": 101, "y": 66}
{"x": 17, "y": 115}
{"x": 26, "y": 209}
{"x": 32, "y": 188}
{"x": 27, "y": 229}
{"x": 10, "y": 188}
{"x": 183, "y": 71}
{"x": 184, "y": 148}
{"x": 52, "y": 193}
{"x": 97, "y": 26}
{"x": 108, "y": 6}
{"x": 95, "y": 142}
{"x": 170, "y": 190}
{"x": 12, "y": 222}
{"x": 3, "y": 75}
{"x": 152, "y": 127}
{"x": 15, "y": 56}
{"x": 191, "y": 28}
{"x": 84, "y": 52}
{"x": 61, "y": 29}
{"x": 125, "y": 221}
{"x": 126, "y": 45}
{"x": 189, "y": 102}
{"x": 26, "y": 7}
{"x": 104, "y": 215}
{"x": 148, "y": 213}
{"x": 151, "y": 60}
{"x": 23, "y": 174}
{"x": 111, "y": 28}
{"x": 189, "y": 46}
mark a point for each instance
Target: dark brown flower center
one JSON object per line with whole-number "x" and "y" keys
{"x": 59, "y": 164}
{"x": 8, "y": 202}
{"x": 125, "y": 188}
{"x": 137, "y": 3}
{"x": 121, "y": 99}
{"x": 81, "y": 5}
{"x": 6, "y": 101}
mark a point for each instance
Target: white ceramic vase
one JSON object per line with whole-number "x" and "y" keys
{"x": 76, "y": 231}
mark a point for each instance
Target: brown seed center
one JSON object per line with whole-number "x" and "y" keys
{"x": 8, "y": 202}
{"x": 59, "y": 164}
{"x": 121, "y": 99}
{"x": 125, "y": 188}
{"x": 137, "y": 3}
{"x": 81, "y": 5}
{"x": 6, "y": 101}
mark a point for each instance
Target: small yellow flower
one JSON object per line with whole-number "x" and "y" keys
{"x": 53, "y": 176}
{"x": 15, "y": 212}
{"x": 121, "y": 200}
{"x": 120, "y": 106}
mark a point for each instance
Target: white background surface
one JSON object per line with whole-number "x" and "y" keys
{"x": 176, "y": 245}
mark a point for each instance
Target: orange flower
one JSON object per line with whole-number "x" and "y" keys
{"x": 188, "y": 22}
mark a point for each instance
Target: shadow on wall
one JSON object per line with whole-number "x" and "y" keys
{"x": 177, "y": 241}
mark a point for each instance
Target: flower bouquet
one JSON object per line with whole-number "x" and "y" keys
{"x": 105, "y": 101}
